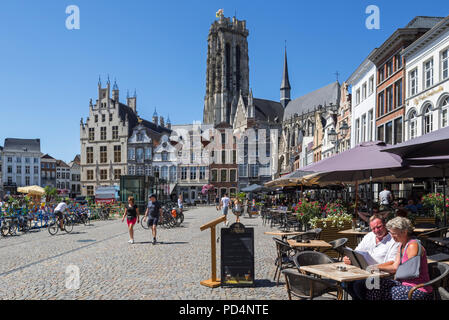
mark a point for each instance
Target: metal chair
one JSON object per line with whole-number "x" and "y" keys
{"x": 283, "y": 259}
{"x": 309, "y": 258}
{"x": 338, "y": 245}
{"x": 437, "y": 273}
{"x": 308, "y": 287}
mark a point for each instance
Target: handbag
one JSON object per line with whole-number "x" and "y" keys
{"x": 410, "y": 268}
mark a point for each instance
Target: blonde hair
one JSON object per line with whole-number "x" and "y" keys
{"x": 130, "y": 198}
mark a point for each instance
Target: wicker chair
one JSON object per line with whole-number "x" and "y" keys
{"x": 308, "y": 287}
{"x": 284, "y": 258}
{"x": 438, "y": 272}
{"x": 338, "y": 245}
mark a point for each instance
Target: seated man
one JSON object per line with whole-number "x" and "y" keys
{"x": 411, "y": 206}
{"x": 380, "y": 246}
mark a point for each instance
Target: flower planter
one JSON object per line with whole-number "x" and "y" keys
{"x": 330, "y": 233}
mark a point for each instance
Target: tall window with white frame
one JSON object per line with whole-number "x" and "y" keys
{"x": 412, "y": 124}
{"x": 427, "y": 125}
{"x": 413, "y": 82}
{"x": 363, "y": 128}
{"x": 357, "y": 131}
{"x": 428, "y": 73}
{"x": 444, "y": 111}
{"x": 364, "y": 91}
{"x": 371, "y": 85}
{"x": 370, "y": 125}
{"x": 444, "y": 64}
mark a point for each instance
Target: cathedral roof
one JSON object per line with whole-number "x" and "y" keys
{"x": 267, "y": 110}
{"x": 308, "y": 102}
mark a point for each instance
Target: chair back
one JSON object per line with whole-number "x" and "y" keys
{"x": 282, "y": 247}
{"x": 338, "y": 245}
{"x": 437, "y": 273}
{"x": 309, "y": 258}
{"x": 305, "y": 286}
{"x": 317, "y": 232}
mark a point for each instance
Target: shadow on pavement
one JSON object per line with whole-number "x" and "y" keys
{"x": 265, "y": 283}
{"x": 159, "y": 243}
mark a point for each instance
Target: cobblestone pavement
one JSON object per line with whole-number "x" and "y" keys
{"x": 33, "y": 266}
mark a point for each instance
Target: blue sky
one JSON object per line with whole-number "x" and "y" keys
{"x": 49, "y": 73}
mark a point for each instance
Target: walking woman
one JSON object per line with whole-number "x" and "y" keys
{"x": 237, "y": 209}
{"x": 132, "y": 216}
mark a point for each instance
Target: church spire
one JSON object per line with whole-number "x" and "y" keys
{"x": 285, "y": 85}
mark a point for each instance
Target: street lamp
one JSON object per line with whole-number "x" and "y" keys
{"x": 333, "y": 135}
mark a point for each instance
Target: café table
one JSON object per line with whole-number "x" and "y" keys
{"x": 284, "y": 235}
{"x": 319, "y": 244}
{"x": 352, "y": 273}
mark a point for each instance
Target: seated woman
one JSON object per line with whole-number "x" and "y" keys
{"x": 401, "y": 230}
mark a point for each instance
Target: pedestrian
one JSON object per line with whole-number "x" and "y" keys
{"x": 386, "y": 198}
{"x": 224, "y": 206}
{"x": 132, "y": 216}
{"x": 153, "y": 212}
{"x": 217, "y": 203}
{"x": 180, "y": 204}
{"x": 237, "y": 209}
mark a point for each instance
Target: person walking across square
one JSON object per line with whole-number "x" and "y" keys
{"x": 153, "y": 212}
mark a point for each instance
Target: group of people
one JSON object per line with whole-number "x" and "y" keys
{"x": 227, "y": 203}
{"x": 391, "y": 244}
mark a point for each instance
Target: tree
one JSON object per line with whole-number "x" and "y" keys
{"x": 50, "y": 193}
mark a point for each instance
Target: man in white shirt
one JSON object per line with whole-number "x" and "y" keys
{"x": 224, "y": 206}
{"x": 59, "y": 210}
{"x": 385, "y": 197}
{"x": 379, "y": 245}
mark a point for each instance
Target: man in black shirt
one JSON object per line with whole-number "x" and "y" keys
{"x": 153, "y": 212}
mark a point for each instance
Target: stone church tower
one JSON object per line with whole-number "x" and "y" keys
{"x": 227, "y": 74}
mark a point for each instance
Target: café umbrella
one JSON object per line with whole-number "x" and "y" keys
{"x": 435, "y": 143}
{"x": 363, "y": 162}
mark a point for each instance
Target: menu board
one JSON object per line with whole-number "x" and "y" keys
{"x": 237, "y": 256}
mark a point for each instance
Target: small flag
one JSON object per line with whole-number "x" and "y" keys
{"x": 219, "y": 13}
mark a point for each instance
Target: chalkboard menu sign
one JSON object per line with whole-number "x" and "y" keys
{"x": 237, "y": 256}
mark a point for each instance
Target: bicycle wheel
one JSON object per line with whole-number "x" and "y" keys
{"x": 144, "y": 224}
{"x": 68, "y": 225}
{"x": 52, "y": 227}
{"x": 86, "y": 220}
{"x": 13, "y": 226}
{"x": 4, "y": 229}
{"x": 171, "y": 222}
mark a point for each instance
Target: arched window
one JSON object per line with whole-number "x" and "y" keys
{"x": 427, "y": 119}
{"x": 444, "y": 112}
{"x": 412, "y": 125}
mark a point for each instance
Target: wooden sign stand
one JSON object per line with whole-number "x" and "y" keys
{"x": 213, "y": 282}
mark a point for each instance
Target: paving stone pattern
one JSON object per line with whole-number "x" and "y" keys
{"x": 33, "y": 266}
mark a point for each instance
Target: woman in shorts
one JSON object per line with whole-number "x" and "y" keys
{"x": 132, "y": 216}
{"x": 237, "y": 209}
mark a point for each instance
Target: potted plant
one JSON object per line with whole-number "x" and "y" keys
{"x": 434, "y": 202}
{"x": 306, "y": 211}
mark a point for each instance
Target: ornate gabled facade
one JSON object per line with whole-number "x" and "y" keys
{"x": 104, "y": 138}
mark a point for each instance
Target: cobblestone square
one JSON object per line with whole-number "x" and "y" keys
{"x": 33, "y": 266}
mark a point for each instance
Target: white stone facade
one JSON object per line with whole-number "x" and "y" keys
{"x": 427, "y": 82}
{"x": 363, "y": 82}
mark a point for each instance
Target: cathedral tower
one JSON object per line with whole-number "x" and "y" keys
{"x": 227, "y": 72}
